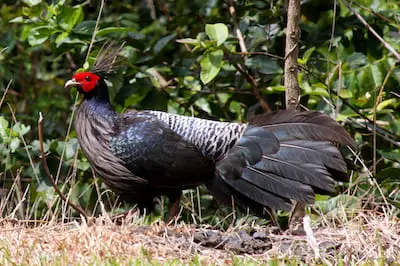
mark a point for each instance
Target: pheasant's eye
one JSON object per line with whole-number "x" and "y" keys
{"x": 87, "y": 78}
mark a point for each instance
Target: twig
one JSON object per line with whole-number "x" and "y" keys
{"x": 375, "y": 107}
{"x": 253, "y": 84}
{"x": 374, "y": 13}
{"x": 345, "y": 102}
{"x": 260, "y": 53}
{"x": 249, "y": 78}
{"x": 362, "y": 20}
{"x": 237, "y": 29}
{"x": 50, "y": 176}
{"x": 5, "y": 92}
{"x": 333, "y": 26}
{"x": 65, "y": 140}
{"x": 95, "y": 30}
{"x": 35, "y": 172}
{"x": 310, "y": 237}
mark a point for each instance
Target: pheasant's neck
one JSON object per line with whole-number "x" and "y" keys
{"x": 98, "y": 109}
{"x": 94, "y": 122}
{"x": 94, "y": 125}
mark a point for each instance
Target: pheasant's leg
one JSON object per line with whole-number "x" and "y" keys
{"x": 174, "y": 208}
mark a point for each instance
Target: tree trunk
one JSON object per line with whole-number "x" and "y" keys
{"x": 292, "y": 85}
{"x": 291, "y": 55}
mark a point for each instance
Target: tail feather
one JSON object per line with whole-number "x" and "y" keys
{"x": 282, "y": 156}
{"x": 307, "y": 173}
{"x": 259, "y": 195}
{"x": 252, "y": 145}
{"x": 319, "y": 152}
{"x": 310, "y": 125}
{"x": 280, "y": 186}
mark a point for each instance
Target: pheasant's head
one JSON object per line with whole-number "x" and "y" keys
{"x": 86, "y": 82}
{"x": 89, "y": 84}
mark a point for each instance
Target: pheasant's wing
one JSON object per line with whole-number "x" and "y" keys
{"x": 151, "y": 150}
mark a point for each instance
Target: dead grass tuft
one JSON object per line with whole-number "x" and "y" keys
{"x": 366, "y": 237}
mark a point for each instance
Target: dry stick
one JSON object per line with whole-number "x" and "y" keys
{"x": 256, "y": 90}
{"x": 50, "y": 176}
{"x": 237, "y": 29}
{"x": 35, "y": 172}
{"x": 249, "y": 78}
{"x": 5, "y": 92}
{"x": 65, "y": 140}
{"x": 95, "y": 30}
{"x": 362, "y": 20}
{"x": 375, "y": 107}
{"x": 260, "y": 53}
{"x": 375, "y": 13}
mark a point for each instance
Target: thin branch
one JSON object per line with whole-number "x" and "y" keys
{"x": 375, "y": 13}
{"x": 237, "y": 29}
{"x": 249, "y": 78}
{"x": 95, "y": 30}
{"x": 365, "y": 23}
{"x": 333, "y": 26}
{"x": 386, "y": 133}
{"x": 375, "y": 109}
{"x": 35, "y": 172}
{"x": 5, "y": 92}
{"x": 256, "y": 90}
{"x": 74, "y": 206}
{"x": 260, "y": 53}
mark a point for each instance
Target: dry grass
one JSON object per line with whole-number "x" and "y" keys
{"x": 368, "y": 238}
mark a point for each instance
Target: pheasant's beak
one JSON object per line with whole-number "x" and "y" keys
{"x": 72, "y": 83}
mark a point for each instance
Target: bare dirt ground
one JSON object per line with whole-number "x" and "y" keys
{"x": 364, "y": 238}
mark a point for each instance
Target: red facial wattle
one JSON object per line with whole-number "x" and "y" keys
{"x": 87, "y": 80}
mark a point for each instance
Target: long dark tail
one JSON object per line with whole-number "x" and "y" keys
{"x": 282, "y": 156}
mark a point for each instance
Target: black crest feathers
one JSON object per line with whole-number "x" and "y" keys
{"x": 107, "y": 60}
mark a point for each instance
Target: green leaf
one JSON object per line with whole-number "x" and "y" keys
{"x": 371, "y": 78}
{"x": 60, "y": 38}
{"x": 346, "y": 94}
{"x": 21, "y": 129}
{"x": 308, "y": 53}
{"x": 386, "y": 103}
{"x": 189, "y": 41}
{"x": 3, "y": 127}
{"x": 161, "y": 43}
{"x": 391, "y": 172}
{"x": 109, "y": 30}
{"x": 32, "y": 2}
{"x": 356, "y": 60}
{"x": 211, "y": 64}
{"x": 218, "y": 32}
{"x": 19, "y": 19}
{"x": 39, "y": 35}
{"x": 14, "y": 144}
{"x": 204, "y": 105}
{"x": 69, "y": 146}
{"x": 264, "y": 65}
{"x": 394, "y": 155}
{"x": 71, "y": 17}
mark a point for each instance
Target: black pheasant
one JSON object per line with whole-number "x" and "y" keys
{"x": 266, "y": 163}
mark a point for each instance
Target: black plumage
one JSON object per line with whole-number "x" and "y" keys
{"x": 275, "y": 158}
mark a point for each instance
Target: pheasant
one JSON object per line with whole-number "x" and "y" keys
{"x": 260, "y": 165}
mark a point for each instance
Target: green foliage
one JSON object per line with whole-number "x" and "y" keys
{"x": 185, "y": 58}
